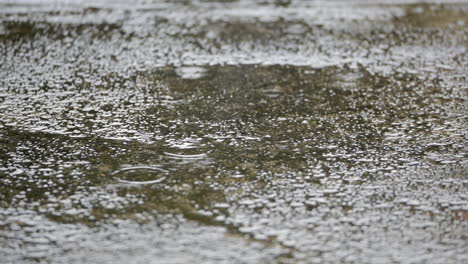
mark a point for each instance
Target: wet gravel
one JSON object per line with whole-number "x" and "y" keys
{"x": 233, "y": 131}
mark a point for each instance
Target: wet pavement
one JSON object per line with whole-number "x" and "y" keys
{"x": 233, "y": 132}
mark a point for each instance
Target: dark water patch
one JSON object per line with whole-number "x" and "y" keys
{"x": 24, "y": 30}
{"x": 230, "y": 130}
{"x": 450, "y": 16}
{"x": 65, "y": 178}
{"x": 255, "y": 31}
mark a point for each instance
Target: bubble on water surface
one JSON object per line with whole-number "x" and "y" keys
{"x": 186, "y": 156}
{"x": 140, "y": 175}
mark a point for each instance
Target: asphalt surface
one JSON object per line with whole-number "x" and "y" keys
{"x": 233, "y": 131}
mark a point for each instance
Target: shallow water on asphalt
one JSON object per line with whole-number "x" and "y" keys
{"x": 233, "y": 132}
